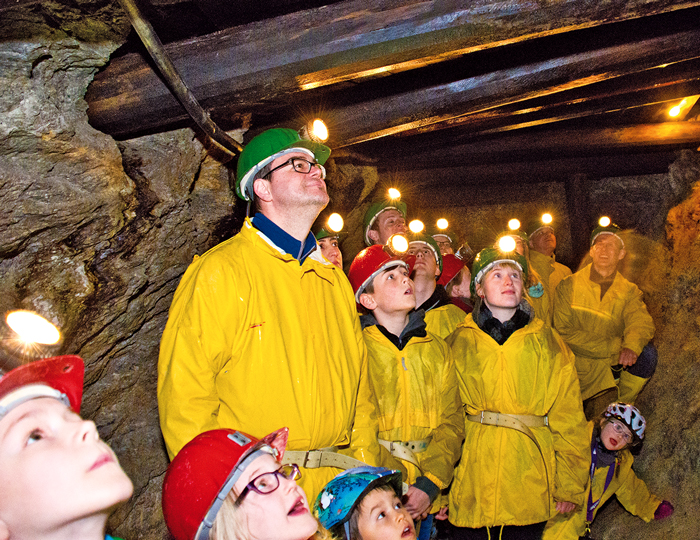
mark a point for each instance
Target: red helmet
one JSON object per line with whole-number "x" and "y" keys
{"x": 371, "y": 261}
{"x": 203, "y": 473}
{"x": 451, "y": 266}
{"x": 60, "y": 377}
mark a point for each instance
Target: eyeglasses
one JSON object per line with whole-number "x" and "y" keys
{"x": 622, "y": 431}
{"x": 301, "y": 166}
{"x": 268, "y": 482}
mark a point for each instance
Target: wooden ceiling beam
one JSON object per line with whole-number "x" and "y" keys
{"x": 268, "y": 61}
{"x": 574, "y": 143}
{"x": 390, "y": 115}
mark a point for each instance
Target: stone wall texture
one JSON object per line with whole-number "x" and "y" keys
{"x": 96, "y": 234}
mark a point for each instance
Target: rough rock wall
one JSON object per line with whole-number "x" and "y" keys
{"x": 95, "y": 236}
{"x": 671, "y": 401}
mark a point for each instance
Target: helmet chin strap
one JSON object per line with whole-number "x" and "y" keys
{"x": 247, "y": 208}
{"x": 346, "y": 526}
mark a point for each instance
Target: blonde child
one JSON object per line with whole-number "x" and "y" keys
{"x": 58, "y": 478}
{"x": 227, "y": 485}
{"x": 524, "y": 456}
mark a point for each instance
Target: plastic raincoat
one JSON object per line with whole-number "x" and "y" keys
{"x": 597, "y": 330}
{"x": 255, "y": 341}
{"x": 416, "y": 388}
{"x": 501, "y": 478}
{"x": 442, "y": 320}
{"x": 549, "y": 270}
{"x": 632, "y": 493}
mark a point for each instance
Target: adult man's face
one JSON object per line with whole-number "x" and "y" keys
{"x": 606, "y": 252}
{"x": 544, "y": 241}
{"x": 389, "y": 222}
{"x": 292, "y": 190}
{"x": 444, "y": 243}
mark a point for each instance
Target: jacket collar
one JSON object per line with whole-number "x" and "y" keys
{"x": 282, "y": 240}
{"x": 313, "y": 262}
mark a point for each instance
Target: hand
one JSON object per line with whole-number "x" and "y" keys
{"x": 664, "y": 510}
{"x": 627, "y": 357}
{"x": 417, "y": 503}
{"x": 564, "y": 507}
{"x": 442, "y": 514}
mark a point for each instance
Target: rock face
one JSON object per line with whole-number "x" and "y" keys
{"x": 96, "y": 234}
{"x": 95, "y": 237}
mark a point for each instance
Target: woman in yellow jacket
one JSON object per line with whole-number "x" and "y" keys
{"x": 614, "y": 438}
{"x": 524, "y": 456}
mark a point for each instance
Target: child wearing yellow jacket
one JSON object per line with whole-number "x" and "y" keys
{"x": 614, "y": 438}
{"x": 412, "y": 373}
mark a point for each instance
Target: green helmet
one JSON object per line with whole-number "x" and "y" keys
{"x": 432, "y": 244}
{"x": 377, "y": 208}
{"x": 323, "y": 232}
{"x": 488, "y": 257}
{"x": 449, "y": 235}
{"x": 610, "y": 229}
{"x": 536, "y": 226}
{"x": 265, "y": 148}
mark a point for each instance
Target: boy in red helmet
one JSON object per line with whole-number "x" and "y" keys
{"x": 412, "y": 373}
{"x": 58, "y": 478}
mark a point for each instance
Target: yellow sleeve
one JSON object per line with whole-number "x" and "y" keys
{"x": 364, "y": 444}
{"x": 191, "y": 354}
{"x": 569, "y": 431}
{"x": 635, "y": 496}
{"x": 445, "y": 448}
{"x": 639, "y": 326}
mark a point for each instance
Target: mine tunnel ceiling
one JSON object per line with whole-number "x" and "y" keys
{"x": 448, "y": 91}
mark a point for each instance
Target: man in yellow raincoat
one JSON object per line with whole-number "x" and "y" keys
{"x": 543, "y": 241}
{"x": 263, "y": 331}
{"x": 602, "y": 317}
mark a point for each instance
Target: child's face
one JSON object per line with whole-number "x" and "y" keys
{"x": 282, "y": 514}
{"x": 331, "y": 251}
{"x": 393, "y": 291}
{"x": 383, "y": 517}
{"x": 54, "y": 469}
{"x": 502, "y": 287}
{"x": 615, "y": 435}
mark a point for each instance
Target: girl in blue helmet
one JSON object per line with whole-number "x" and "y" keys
{"x": 364, "y": 503}
{"x": 615, "y": 437}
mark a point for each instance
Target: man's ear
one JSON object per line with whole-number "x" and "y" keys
{"x": 590, "y": 251}
{"x": 479, "y": 290}
{"x": 622, "y": 255}
{"x": 4, "y": 531}
{"x": 367, "y": 301}
{"x": 373, "y": 235}
{"x": 261, "y": 188}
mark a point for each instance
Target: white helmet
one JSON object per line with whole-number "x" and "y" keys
{"x": 630, "y": 416}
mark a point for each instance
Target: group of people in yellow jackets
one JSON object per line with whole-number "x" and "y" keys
{"x": 482, "y": 413}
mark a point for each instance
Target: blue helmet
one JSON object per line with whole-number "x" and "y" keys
{"x": 339, "y": 498}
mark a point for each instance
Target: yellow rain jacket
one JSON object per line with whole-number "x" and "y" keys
{"x": 597, "y": 330}
{"x": 442, "y": 320}
{"x": 631, "y": 491}
{"x": 549, "y": 270}
{"x": 542, "y": 306}
{"x": 416, "y": 388}
{"x": 501, "y": 478}
{"x": 255, "y": 341}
